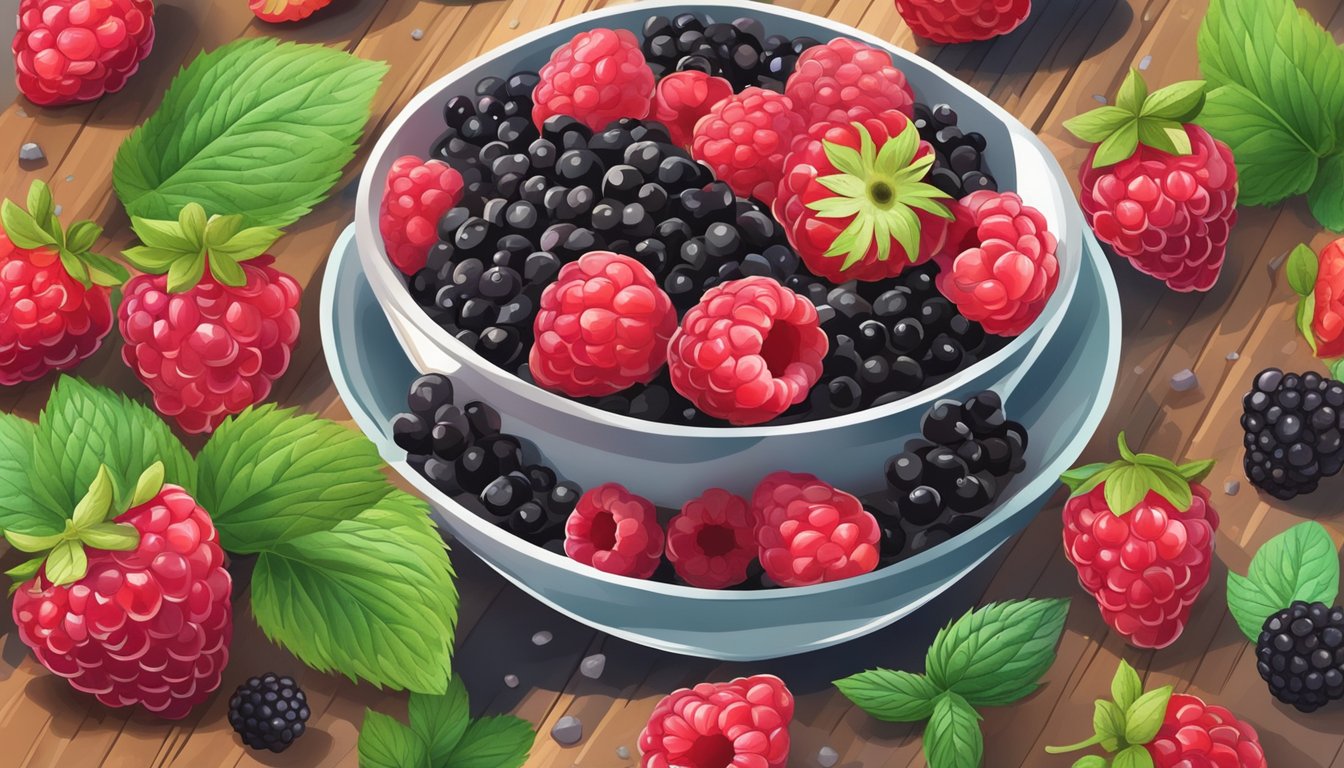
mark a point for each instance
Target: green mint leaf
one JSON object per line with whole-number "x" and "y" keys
{"x": 1093, "y": 127}
{"x": 83, "y": 428}
{"x": 1126, "y": 687}
{"x": 1118, "y": 146}
{"x": 1178, "y": 102}
{"x": 494, "y": 742}
{"x": 1326, "y": 196}
{"x": 896, "y": 697}
{"x": 995, "y": 655}
{"x": 372, "y": 598}
{"x": 952, "y": 739}
{"x": 1108, "y": 722}
{"x": 1299, "y": 564}
{"x": 22, "y": 229}
{"x": 19, "y": 508}
{"x": 1306, "y": 308}
{"x": 440, "y": 721}
{"x": 269, "y": 475}
{"x": 1144, "y": 717}
{"x": 1302, "y": 267}
{"x": 226, "y": 131}
{"x": 1133, "y": 757}
{"x": 386, "y": 743}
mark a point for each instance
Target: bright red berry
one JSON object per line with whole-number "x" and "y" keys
{"x": 870, "y": 216}
{"x": 210, "y": 347}
{"x": 417, "y": 194}
{"x": 276, "y": 11}
{"x": 1327, "y": 319}
{"x": 602, "y": 326}
{"x": 1140, "y": 531}
{"x": 68, "y": 51}
{"x": 963, "y": 21}
{"x": 810, "y": 532}
{"x": 50, "y": 318}
{"x": 745, "y": 139}
{"x": 845, "y": 80}
{"x": 615, "y": 531}
{"x": 149, "y": 621}
{"x": 1168, "y": 205}
{"x": 740, "y": 724}
{"x": 713, "y": 540}
{"x": 682, "y": 98}
{"x": 1003, "y": 270}
{"x": 748, "y": 351}
{"x": 597, "y": 77}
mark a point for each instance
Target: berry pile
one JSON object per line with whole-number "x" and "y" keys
{"x": 1294, "y": 428}
{"x": 959, "y": 168}
{"x": 739, "y": 52}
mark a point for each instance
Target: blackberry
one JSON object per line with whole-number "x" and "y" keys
{"x": 959, "y": 166}
{"x": 1300, "y": 653}
{"x": 269, "y": 712}
{"x": 1294, "y": 431}
{"x": 740, "y": 51}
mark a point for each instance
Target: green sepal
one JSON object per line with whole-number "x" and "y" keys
{"x": 1123, "y": 725}
{"x": 1306, "y": 309}
{"x": 1130, "y": 478}
{"x": 38, "y": 227}
{"x": 194, "y": 244}
{"x": 1301, "y": 268}
{"x": 1155, "y": 120}
{"x": 23, "y": 572}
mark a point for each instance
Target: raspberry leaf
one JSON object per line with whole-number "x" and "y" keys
{"x": 1123, "y": 726}
{"x": 1133, "y": 757}
{"x": 1301, "y": 268}
{"x": 1126, "y": 687}
{"x": 995, "y": 655}
{"x": 19, "y": 508}
{"x": 1301, "y": 563}
{"x": 1326, "y": 196}
{"x": 440, "y": 721}
{"x": 38, "y": 227}
{"x": 386, "y": 743}
{"x": 494, "y": 742}
{"x": 66, "y": 563}
{"x": 952, "y": 739}
{"x": 1156, "y": 120}
{"x": 893, "y": 696}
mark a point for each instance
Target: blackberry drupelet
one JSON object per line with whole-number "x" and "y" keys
{"x": 740, "y": 51}
{"x": 269, "y": 712}
{"x": 1294, "y": 431}
{"x": 959, "y": 166}
{"x": 1300, "y": 653}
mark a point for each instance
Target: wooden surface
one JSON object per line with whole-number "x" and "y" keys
{"x": 1068, "y": 54}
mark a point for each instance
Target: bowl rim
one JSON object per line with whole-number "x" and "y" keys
{"x": 393, "y": 297}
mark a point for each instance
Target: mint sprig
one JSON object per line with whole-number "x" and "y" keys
{"x": 1123, "y": 725}
{"x": 990, "y": 657}
{"x": 1299, "y": 564}
{"x": 1154, "y": 120}
{"x": 1133, "y": 476}
{"x": 443, "y": 735}
{"x": 38, "y": 227}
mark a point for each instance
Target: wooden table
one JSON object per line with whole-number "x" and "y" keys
{"x": 1066, "y": 58}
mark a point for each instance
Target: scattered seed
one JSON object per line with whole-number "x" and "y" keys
{"x": 541, "y": 638}
{"x": 827, "y": 757}
{"x": 623, "y": 752}
{"x": 511, "y": 681}
{"x": 1231, "y": 487}
{"x": 1184, "y": 380}
{"x": 567, "y": 731}
{"x": 70, "y": 178}
{"x": 417, "y": 33}
{"x": 31, "y": 152}
{"x": 1145, "y": 62}
{"x": 1138, "y": 370}
{"x": 513, "y": 24}
{"x": 593, "y": 666}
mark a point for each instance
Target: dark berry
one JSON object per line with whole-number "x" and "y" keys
{"x": 269, "y": 712}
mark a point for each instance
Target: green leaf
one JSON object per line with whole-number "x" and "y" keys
{"x": 995, "y": 655}
{"x": 843, "y": 184}
{"x": 1093, "y": 127}
{"x": 185, "y": 273}
{"x": 372, "y": 598}
{"x": 1143, "y": 718}
{"x": 31, "y": 543}
{"x": 24, "y": 571}
{"x": 1301, "y": 268}
{"x": 1133, "y": 757}
{"x": 1133, "y": 92}
{"x": 40, "y": 203}
{"x": 97, "y": 503}
{"x": 1178, "y": 102}
{"x": 113, "y": 537}
{"x": 1336, "y": 367}
{"x": 67, "y": 563}
{"x": 897, "y": 697}
{"x": 1127, "y": 486}
{"x": 386, "y": 743}
{"x": 1118, "y": 146}
{"x": 1168, "y": 137}
{"x": 1126, "y": 687}
{"x": 440, "y": 721}
{"x": 1299, "y": 564}
{"x": 1326, "y": 196}
{"x": 226, "y": 132}
{"x": 22, "y": 229}
{"x": 1090, "y": 761}
{"x": 19, "y": 508}
{"x": 1273, "y": 163}
{"x": 1078, "y": 476}
{"x": 1108, "y": 721}
{"x": 952, "y": 739}
{"x": 494, "y": 742}
{"x": 1174, "y": 488}
{"x": 82, "y": 236}
{"x": 270, "y": 475}
{"x": 1306, "y": 308}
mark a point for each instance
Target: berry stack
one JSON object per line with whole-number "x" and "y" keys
{"x": 740, "y": 52}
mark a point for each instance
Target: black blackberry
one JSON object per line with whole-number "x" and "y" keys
{"x": 959, "y": 166}
{"x": 1294, "y": 431}
{"x": 739, "y": 52}
{"x": 1300, "y": 653}
{"x": 269, "y": 712}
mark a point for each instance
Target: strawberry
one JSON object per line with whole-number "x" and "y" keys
{"x": 55, "y": 297}
{"x": 277, "y": 11}
{"x": 1139, "y": 530}
{"x": 1162, "y": 729}
{"x": 1157, "y": 188}
{"x": 854, "y": 201}
{"x": 131, "y": 602}
{"x": 212, "y": 325}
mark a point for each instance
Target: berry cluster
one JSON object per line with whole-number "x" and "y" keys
{"x": 740, "y": 52}
{"x": 1294, "y": 428}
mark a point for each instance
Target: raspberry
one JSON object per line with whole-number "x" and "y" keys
{"x": 1145, "y": 564}
{"x": 1004, "y": 270}
{"x": 845, "y": 80}
{"x": 713, "y": 541}
{"x": 149, "y": 626}
{"x": 1294, "y": 431}
{"x": 810, "y": 532}
{"x": 1300, "y": 653}
{"x": 1327, "y": 320}
{"x": 269, "y": 712}
{"x": 1196, "y": 734}
{"x": 745, "y": 139}
{"x": 963, "y": 21}
{"x": 748, "y": 351}
{"x": 884, "y": 207}
{"x": 68, "y": 51}
{"x": 682, "y": 98}
{"x": 598, "y": 77}
{"x": 276, "y": 11}
{"x": 417, "y": 194}
{"x": 720, "y": 725}
{"x": 615, "y": 531}
{"x": 603, "y": 326}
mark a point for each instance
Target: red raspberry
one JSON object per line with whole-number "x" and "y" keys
{"x": 856, "y": 222}
{"x": 1167, "y": 209}
{"x": 741, "y": 724}
{"x": 750, "y": 349}
{"x": 1198, "y": 735}
{"x": 845, "y": 80}
{"x": 682, "y": 98}
{"x": 745, "y": 138}
{"x": 148, "y": 626}
{"x": 1327, "y": 320}
{"x": 963, "y": 21}
{"x": 713, "y": 541}
{"x": 68, "y": 51}
{"x": 615, "y": 531}
{"x": 417, "y": 194}
{"x": 1004, "y": 269}
{"x": 810, "y": 532}
{"x": 276, "y": 11}
{"x": 597, "y": 77}
{"x": 50, "y": 320}
{"x": 1145, "y": 564}
{"x": 603, "y": 326}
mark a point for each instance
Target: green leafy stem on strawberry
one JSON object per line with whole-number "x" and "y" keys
{"x": 1133, "y": 476}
